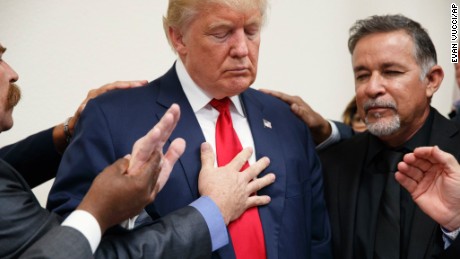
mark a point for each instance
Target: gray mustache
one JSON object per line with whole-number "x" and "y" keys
{"x": 379, "y": 103}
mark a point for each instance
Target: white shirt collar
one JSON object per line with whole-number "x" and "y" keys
{"x": 198, "y": 98}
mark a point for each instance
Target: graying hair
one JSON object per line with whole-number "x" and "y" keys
{"x": 424, "y": 52}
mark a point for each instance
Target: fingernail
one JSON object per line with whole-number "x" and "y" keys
{"x": 205, "y": 146}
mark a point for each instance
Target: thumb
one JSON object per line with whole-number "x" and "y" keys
{"x": 118, "y": 167}
{"x": 207, "y": 155}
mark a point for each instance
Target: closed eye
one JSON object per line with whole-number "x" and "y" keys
{"x": 392, "y": 72}
{"x": 220, "y": 35}
{"x": 252, "y": 32}
{"x": 361, "y": 76}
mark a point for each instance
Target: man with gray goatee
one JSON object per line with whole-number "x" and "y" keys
{"x": 396, "y": 75}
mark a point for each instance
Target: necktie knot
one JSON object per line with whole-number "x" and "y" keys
{"x": 392, "y": 158}
{"x": 387, "y": 161}
{"x": 220, "y": 105}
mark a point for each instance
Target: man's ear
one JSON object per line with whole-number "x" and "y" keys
{"x": 176, "y": 38}
{"x": 434, "y": 78}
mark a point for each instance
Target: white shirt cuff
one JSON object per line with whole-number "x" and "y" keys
{"x": 449, "y": 237}
{"x": 333, "y": 138}
{"x": 87, "y": 224}
{"x": 130, "y": 223}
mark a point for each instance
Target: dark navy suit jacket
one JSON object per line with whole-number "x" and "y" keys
{"x": 295, "y": 223}
{"x": 35, "y": 157}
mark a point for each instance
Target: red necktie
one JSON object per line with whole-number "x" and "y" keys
{"x": 246, "y": 232}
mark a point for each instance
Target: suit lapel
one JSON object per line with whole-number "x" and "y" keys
{"x": 267, "y": 143}
{"x": 444, "y": 133}
{"x": 422, "y": 231}
{"x": 347, "y": 192}
{"x": 187, "y": 128}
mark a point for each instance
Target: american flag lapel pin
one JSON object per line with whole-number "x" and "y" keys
{"x": 267, "y": 124}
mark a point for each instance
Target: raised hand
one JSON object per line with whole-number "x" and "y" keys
{"x": 125, "y": 187}
{"x": 154, "y": 141}
{"x": 432, "y": 177}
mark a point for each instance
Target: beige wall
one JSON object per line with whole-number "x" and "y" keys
{"x": 63, "y": 48}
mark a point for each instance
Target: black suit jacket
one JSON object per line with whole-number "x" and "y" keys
{"x": 342, "y": 167}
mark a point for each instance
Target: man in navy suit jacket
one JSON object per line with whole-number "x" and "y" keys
{"x": 116, "y": 194}
{"x": 217, "y": 44}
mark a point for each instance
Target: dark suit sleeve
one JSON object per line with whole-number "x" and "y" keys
{"x": 35, "y": 157}
{"x": 23, "y": 221}
{"x": 345, "y": 131}
{"x": 60, "y": 242}
{"x": 453, "y": 251}
{"x": 181, "y": 234}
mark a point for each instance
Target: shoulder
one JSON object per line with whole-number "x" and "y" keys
{"x": 451, "y": 127}
{"x": 278, "y": 113}
{"x": 268, "y": 101}
{"x": 140, "y": 95}
{"x": 10, "y": 178}
{"x": 272, "y": 106}
{"x": 121, "y": 96}
{"x": 18, "y": 204}
{"x": 346, "y": 146}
